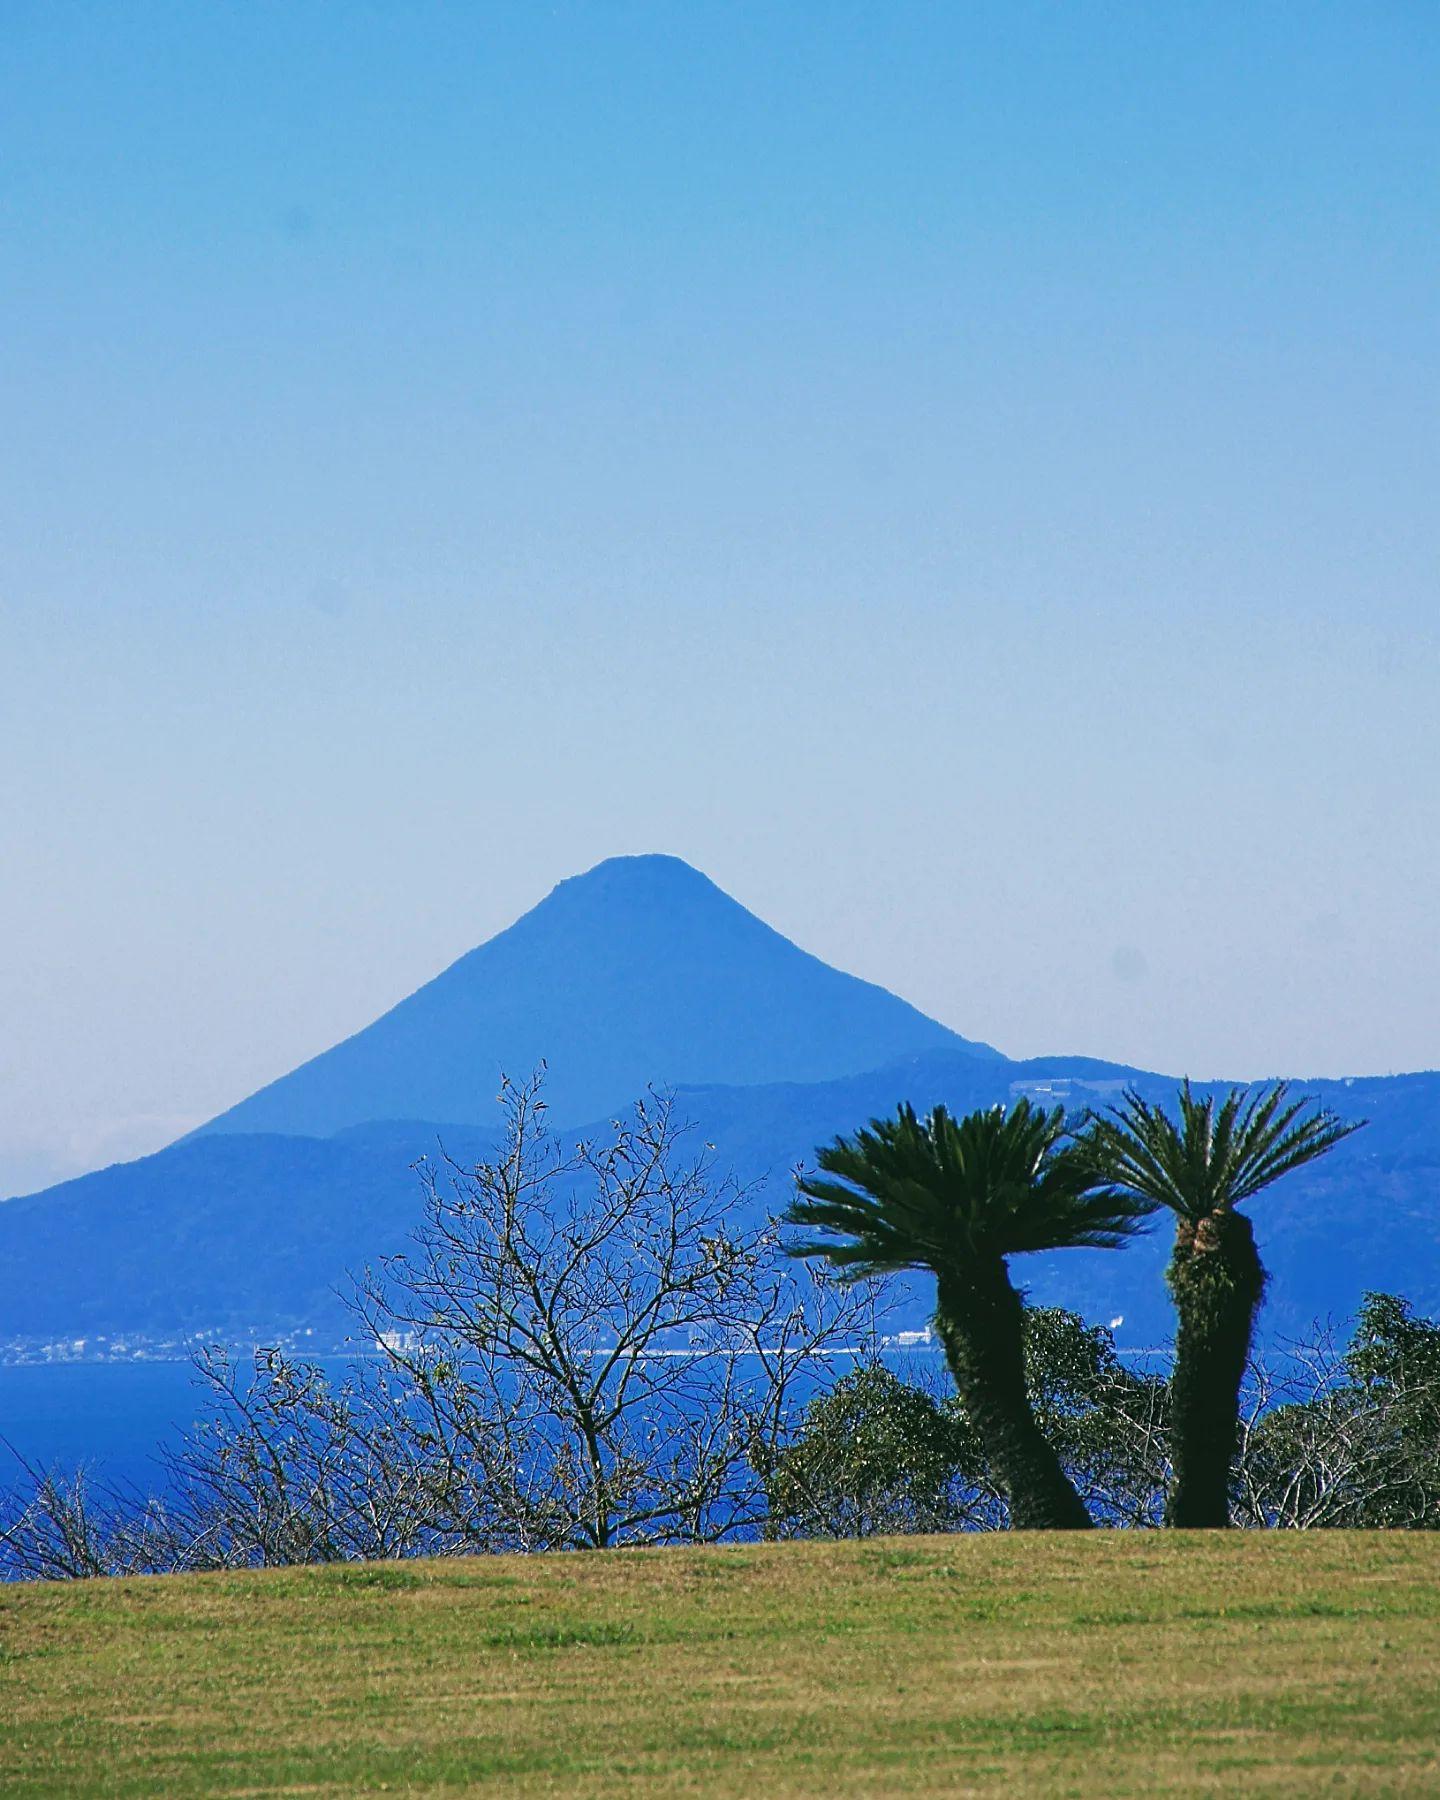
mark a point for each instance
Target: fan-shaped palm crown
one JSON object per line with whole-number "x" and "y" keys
{"x": 938, "y": 1192}
{"x": 1217, "y": 1156}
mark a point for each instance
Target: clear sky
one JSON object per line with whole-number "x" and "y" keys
{"x": 965, "y": 476}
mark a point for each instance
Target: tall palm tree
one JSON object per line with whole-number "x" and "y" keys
{"x": 958, "y": 1197}
{"x": 1203, "y": 1167}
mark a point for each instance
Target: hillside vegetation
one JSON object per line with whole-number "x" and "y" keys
{"x": 1109, "y": 1664}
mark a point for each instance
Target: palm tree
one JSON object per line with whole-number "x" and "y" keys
{"x": 1203, "y": 1168}
{"x": 957, "y": 1197}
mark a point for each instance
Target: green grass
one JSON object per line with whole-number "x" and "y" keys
{"x": 1104, "y": 1664}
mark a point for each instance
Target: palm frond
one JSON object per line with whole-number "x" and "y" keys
{"x": 1214, "y": 1156}
{"x": 932, "y": 1193}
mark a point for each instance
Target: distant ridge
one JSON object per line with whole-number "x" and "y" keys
{"x": 246, "y": 1237}
{"x": 641, "y": 971}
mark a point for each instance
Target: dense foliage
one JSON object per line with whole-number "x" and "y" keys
{"x": 1352, "y": 1437}
{"x": 881, "y": 1454}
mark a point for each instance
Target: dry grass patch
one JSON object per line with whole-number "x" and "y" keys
{"x": 1103, "y": 1664}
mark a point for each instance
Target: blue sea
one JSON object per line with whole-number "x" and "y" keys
{"x": 111, "y": 1417}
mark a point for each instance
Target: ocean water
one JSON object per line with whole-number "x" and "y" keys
{"x": 111, "y": 1417}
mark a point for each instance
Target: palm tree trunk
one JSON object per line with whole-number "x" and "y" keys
{"x": 1216, "y": 1280}
{"x": 979, "y": 1317}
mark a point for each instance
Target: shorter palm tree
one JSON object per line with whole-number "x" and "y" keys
{"x": 1203, "y": 1168}
{"x": 958, "y": 1197}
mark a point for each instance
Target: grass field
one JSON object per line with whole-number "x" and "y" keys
{"x": 1106, "y": 1664}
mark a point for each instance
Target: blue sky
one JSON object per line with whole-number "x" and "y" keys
{"x": 964, "y": 476}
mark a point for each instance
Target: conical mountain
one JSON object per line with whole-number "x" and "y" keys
{"x": 640, "y": 972}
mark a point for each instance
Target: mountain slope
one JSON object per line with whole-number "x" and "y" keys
{"x": 245, "y": 1236}
{"x": 641, "y": 971}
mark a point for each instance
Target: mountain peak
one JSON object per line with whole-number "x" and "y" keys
{"x": 646, "y": 866}
{"x": 640, "y": 972}
{"x": 652, "y": 874}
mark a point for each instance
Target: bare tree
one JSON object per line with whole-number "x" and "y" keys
{"x": 584, "y": 1345}
{"x": 1320, "y": 1448}
{"x": 597, "y": 1343}
{"x": 289, "y": 1468}
{"x": 68, "y": 1526}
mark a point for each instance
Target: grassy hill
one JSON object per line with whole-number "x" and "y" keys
{"x": 1110, "y": 1664}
